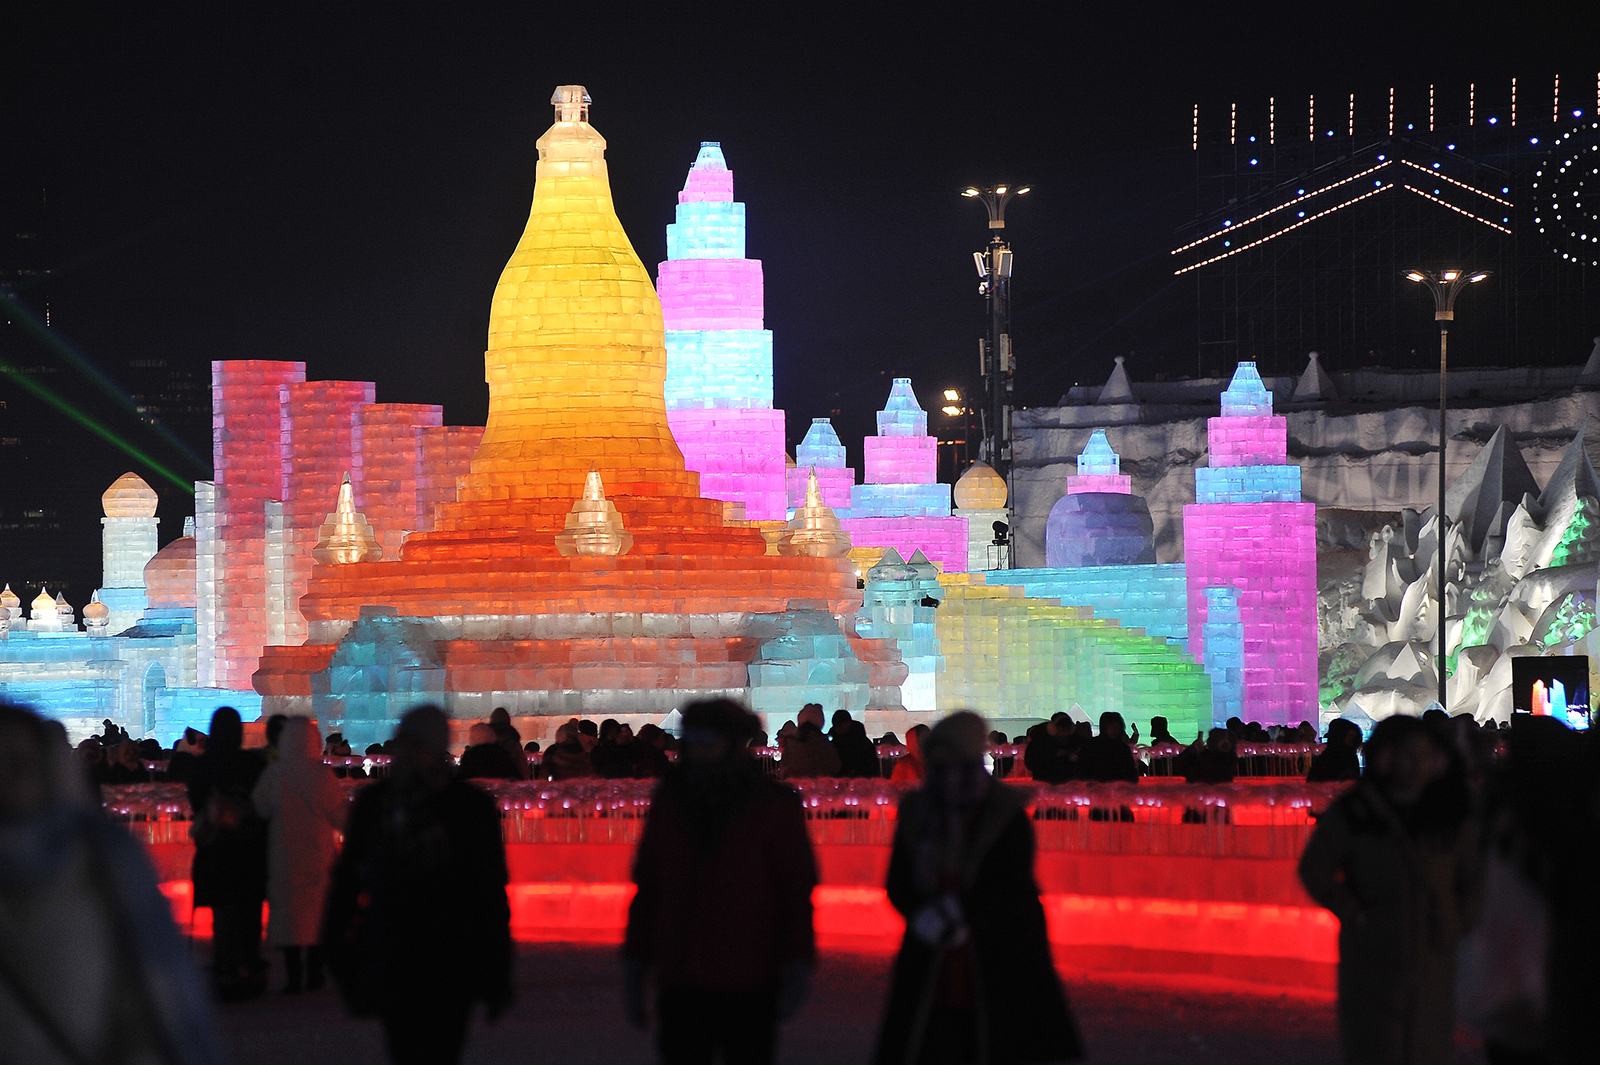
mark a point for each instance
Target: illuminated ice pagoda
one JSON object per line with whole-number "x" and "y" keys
{"x": 1250, "y": 556}
{"x": 719, "y": 357}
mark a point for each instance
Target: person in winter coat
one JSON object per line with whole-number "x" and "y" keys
{"x": 722, "y": 916}
{"x": 92, "y": 968}
{"x": 418, "y": 928}
{"x": 974, "y": 981}
{"x": 304, "y": 806}
{"x": 230, "y": 855}
{"x": 1394, "y": 860}
{"x": 1108, "y": 756}
{"x": 806, "y": 752}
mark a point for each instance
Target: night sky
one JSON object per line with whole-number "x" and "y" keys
{"x": 343, "y": 186}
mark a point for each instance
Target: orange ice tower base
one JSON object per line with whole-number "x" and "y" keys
{"x": 482, "y": 610}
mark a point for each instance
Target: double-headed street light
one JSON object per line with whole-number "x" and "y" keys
{"x": 995, "y": 360}
{"x": 1445, "y": 285}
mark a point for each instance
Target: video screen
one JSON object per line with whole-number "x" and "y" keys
{"x": 1553, "y": 685}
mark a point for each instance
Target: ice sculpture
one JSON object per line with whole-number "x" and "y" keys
{"x": 820, "y": 454}
{"x": 96, "y": 616}
{"x": 900, "y": 604}
{"x": 902, "y": 504}
{"x": 346, "y": 536}
{"x": 980, "y": 498}
{"x": 814, "y": 530}
{"x": 1249, "y": 531}
{"x": 577, "y": 368}
{"x": 128, "y": 542}
{"x": 594, "y": 528}
{"x": 1099, "y": 522}
{"x": 719, "y": 358}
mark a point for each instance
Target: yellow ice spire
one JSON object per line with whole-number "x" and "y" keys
{"x": 577, "y": 360}
{"x": 814, "y": 530}
{"x": 594, "y": 527}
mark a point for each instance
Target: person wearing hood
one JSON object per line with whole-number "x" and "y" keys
{"x": 304, "y": 806}
{"x": 418, "y": 927}
{"x": 722, "y": 915}
{"x": 974, "y": 980}
{"x": 230, "y": 855}
{"x": 1395, "y": 859}
{"x": 91, "y": 966}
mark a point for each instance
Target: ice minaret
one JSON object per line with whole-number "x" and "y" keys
{"x": 1249, "y": 535}
{"x": 719, "y": 358}
{"x": 128, "y": 542}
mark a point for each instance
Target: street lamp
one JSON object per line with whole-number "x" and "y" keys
{"x": 954, "y": 408}
{"x": 994, "y": 355}
{"x": 1444, "y": 284}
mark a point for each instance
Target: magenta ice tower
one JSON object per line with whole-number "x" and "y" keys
{"x": 1248, "y": 532}
{"x": 719, "y": 358}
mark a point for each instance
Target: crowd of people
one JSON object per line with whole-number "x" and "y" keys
{"x": 1460, "y": 865}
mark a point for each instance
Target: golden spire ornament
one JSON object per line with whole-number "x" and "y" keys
{"x": 345, "y": 536}
{"x": 594, "y": 527}
{"x": 814, "y": 530}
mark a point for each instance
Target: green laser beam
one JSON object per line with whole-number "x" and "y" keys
{"x": 78, "y": 361}
{"x": 43, "y": 394}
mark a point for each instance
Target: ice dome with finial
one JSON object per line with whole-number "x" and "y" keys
{"x": 980, "y": 488}
{"x": 9, "y": 600}
{"x": 129, "y": 497}
{"x": 44, "y": 604}
{"x": 96, "y": 611}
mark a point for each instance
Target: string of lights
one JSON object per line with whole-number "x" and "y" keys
{"x": 1282, "y": 206}
{"x": 1457, "y": 210}
{"x": 1286, "y": 229}
{"x": 1453, "y": 181}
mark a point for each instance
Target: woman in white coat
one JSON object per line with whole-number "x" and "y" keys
{"x": 304, "y": 806}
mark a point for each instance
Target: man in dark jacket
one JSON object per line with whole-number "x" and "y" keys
{"x": 1108, "y": 756}
{"x": 722, "y": 916}
{"x": 857, "y": 756}
{"x": 418, "y": 927}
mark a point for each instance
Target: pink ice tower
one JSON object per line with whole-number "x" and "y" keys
{"x": 719, "y": 358}
{"x": 1249, "y": 532}
{"x": 902, "y": 504}
{"x": 1099, "y": 469}
{"x": 821, "y": 451}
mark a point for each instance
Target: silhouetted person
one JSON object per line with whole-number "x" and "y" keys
{"x": 230, "y": 855}
{"x": 506, "y": 734}
{"x": 1108, "y": 756}
{"x": 910, "y": 768}
{"x": 650, "y": 753}
{"x": 857, "y": 756}
{"x": 566, "y": 758}
{"x": 94, "y": 970}
{"x": 1053, "y": 749}
{"x": 1339, "y": 759}
{"x": 1211, "y": 763}
{"x": 418, "y": 927}
{"x": 722, "y": 917}
{"x": 304, "y": 806}
{"x": 1394, "y": 861}
{"x": 486, "y": 758}
{"x": 974, "y": 981}
{"x": 806, "y": 752}
{"x": 613, "y": 755}
{"x": 185, "y": 753}
{"x": 1159, "y": 733}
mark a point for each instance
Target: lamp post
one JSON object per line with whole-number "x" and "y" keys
{"x": 1445, "y": 285}
{"x": 994, "y": 354}
{"x": 955, "y": 407}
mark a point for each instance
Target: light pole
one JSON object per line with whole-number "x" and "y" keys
{"x": 995, "y": 359}
{"x": 1444, "y": 284}
{"x": 954, "y": 407}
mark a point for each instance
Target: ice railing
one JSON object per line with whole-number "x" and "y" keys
{"x": 1154, "y": 817}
